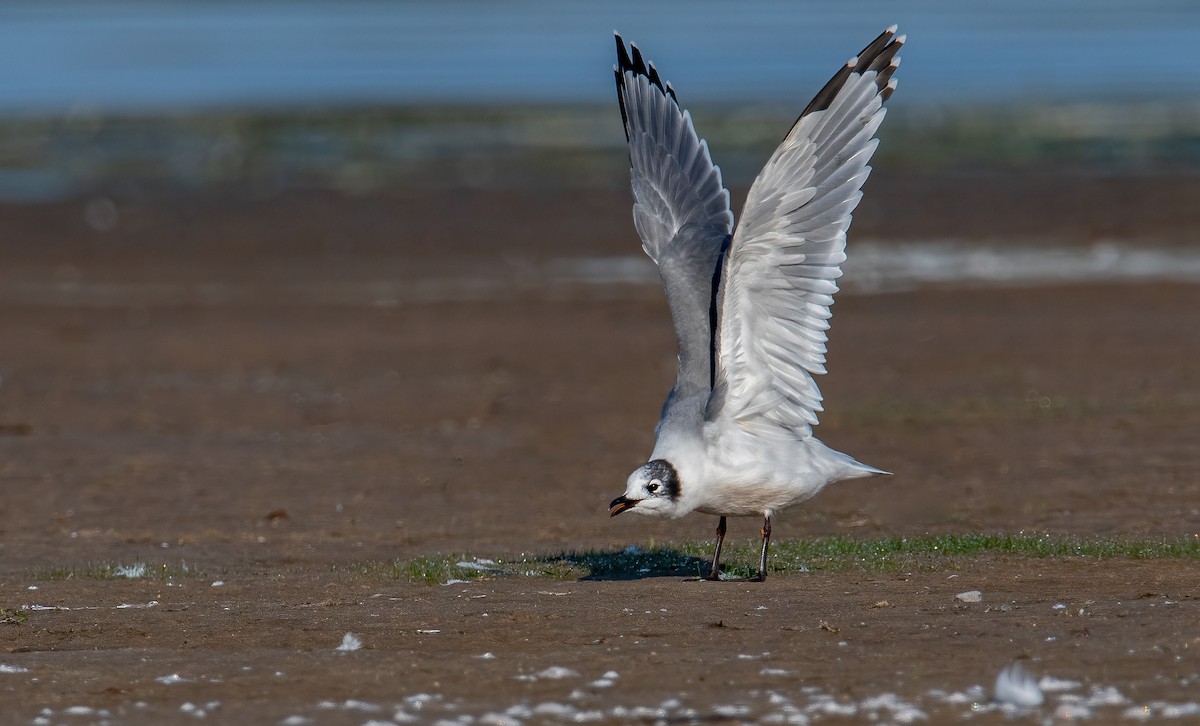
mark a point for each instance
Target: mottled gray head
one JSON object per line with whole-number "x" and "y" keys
{"x": 653, "y": 489}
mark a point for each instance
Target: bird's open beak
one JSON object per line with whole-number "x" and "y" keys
{"x": 620, "y": 504}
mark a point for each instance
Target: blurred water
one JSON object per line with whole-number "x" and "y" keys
{"x": 880, "y": 267}
{"x": 361, "y": 95}
{"x": 122, "y": 56}
{"x": 872, "y": 267}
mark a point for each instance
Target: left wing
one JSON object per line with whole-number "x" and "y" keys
{"x": 779, "y": 275}
{"x": 680, "y": 209}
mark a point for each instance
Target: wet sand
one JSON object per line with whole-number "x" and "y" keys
{"x": 273, "y": 390}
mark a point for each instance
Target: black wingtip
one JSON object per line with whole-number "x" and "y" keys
{"x": 639, "y": 63}
{"x": 632, "y": 61}
{"x": 888, "y": 90}
{"x": 875, "y": 49}
{"x": 671, "y": 93}
{"x": 619, "y": 69}
{"x": 879, "y": 56}
{"x": 621, "y": 101}
{"x": 623, "y": 61}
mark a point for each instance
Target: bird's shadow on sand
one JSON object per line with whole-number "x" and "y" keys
{"x": 632, "y": 563}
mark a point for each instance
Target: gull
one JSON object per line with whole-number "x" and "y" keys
{"x": 750, "y": 305}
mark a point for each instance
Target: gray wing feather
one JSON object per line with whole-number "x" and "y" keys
{"x": 781, "y": 270}
{"x": 680, "y": 208}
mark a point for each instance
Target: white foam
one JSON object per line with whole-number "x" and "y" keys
{"x": 6, "y": 668}
{"x": 552, "y": 709}
{"x": 803, "y": 705}
{"x": 1016, "y": 687}
{"x": 901, "y": 710}
{"x": 588, "y": 716}
{"x": 1050, "y": 684}
{"x": 173, "y": 678}
{"x": 1176, "y": 710}
{"x": 731, "y": 711}
{"x": 481, "y": 565}
{"x": 872, "y": 267}
{"x": 350, "y": 642}
{"x": 1106, "y": 696}
{"x": 827, "y": 706}
{"x": 883, "y": 267}
{"x": 788, "y": 718}
{"x": 417, "y": 701}
{"x": 552, "y": 673}
{"x": 1072, "y": 712}
{"x": 1138, "y": 713}
{"x": 136, "y": 570}
{"x": 879, "y": 266}
{"x": 911, "y": 714}
{"x": 602, "y": 683}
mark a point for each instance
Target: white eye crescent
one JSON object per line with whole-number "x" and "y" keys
{"x": 653, "y": 485}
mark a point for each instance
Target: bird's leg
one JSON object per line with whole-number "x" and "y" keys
{"x": 715, "y": 572}
{"x": 762, "y": 559}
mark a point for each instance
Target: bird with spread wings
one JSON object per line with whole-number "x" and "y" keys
{"x": 750, "y": 304}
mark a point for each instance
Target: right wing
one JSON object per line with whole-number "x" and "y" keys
{"x": 781, "y": 269}
{"x": 680, "y": 209}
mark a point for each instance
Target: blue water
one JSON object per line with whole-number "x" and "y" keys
{"x": 120, "y": 56}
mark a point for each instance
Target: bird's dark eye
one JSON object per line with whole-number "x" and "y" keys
{"x": 653, "y": 486}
